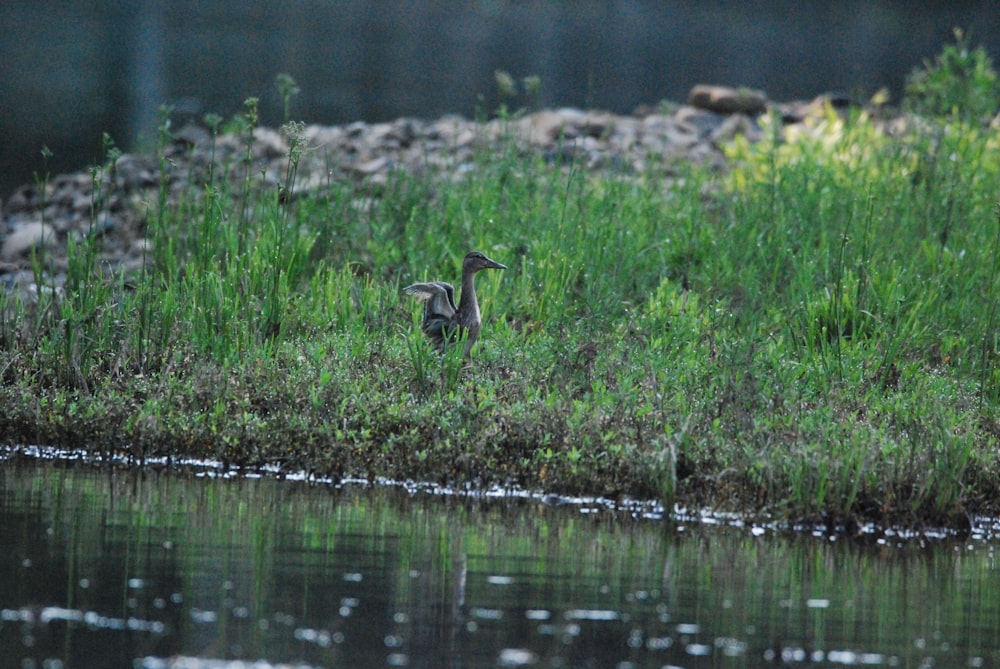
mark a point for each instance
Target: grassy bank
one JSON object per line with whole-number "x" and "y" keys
{"x": 811, "y": 333}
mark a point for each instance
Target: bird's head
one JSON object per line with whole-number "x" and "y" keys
{"x": 475, "y": 261}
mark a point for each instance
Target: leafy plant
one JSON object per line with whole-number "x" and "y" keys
{"x": 958, "y": 82}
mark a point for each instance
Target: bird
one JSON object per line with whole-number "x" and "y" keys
{"x": 443, "y": 321}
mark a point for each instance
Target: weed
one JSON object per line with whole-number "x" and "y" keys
{"x": 810, "y": 332}
{"x": 959, "y": 82}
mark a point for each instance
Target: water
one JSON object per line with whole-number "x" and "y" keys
{"x": 118, "y": 568}
{"x": 72, "y": 71}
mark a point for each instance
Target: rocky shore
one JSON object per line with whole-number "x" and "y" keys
{"x": 113, "y": 202}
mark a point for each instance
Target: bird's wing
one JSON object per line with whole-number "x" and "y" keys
{"x": 439, "y": 297}
{"x": 450, "y": 292}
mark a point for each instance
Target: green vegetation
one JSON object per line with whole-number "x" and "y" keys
{"x": 959, "y": 82}
{"x": 812, "y": 333}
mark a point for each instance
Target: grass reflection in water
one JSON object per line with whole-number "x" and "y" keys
{"x": 147, "y": 569}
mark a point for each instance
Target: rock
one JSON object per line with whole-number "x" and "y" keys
{"x": 135, "y": 172}
{"x": 370, "y": 167}
{"x": 543, "y": 127}
{"x": 737, "y": 124}
{"x": 681, "y": 134}
{"x": 726, "y": 100}
{"x": 321, "y": 136}
{"x": 798, "y": 111}
{"x": 405, "y": 131}
{"x": 269, "y": 144}
{"x": 82, "y": 202}
{"x": 24, "y": 238}
{"x": 192, "y": 136}
{"x": 141, "y": 247}
{"x": 24, "y": 198}
{"x": 598, "y": 125}
{"x": 103, "y": 224}
{"x": 17, "y": 283}
{"x": 63, "y": 190}
{"x": 699, "y": 121}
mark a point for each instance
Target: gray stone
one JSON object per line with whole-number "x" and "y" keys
{"x": 734, "y": 126}
{"x": 726, "y": 100}
{"x": 24, "y": 238}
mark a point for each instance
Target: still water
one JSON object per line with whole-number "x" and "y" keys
{"x": 119, "y": 568}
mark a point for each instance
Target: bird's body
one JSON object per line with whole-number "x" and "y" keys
{"x": 443, "y": 320}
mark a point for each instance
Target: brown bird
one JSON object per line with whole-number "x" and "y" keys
{"x": 443, "y": 321}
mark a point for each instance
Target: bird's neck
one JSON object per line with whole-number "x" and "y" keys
{"x": 468, "y": 305}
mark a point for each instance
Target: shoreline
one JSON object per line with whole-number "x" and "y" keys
{"x": 979, "y": 529}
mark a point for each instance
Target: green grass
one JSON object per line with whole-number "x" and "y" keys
{"x": 810, "y": 334}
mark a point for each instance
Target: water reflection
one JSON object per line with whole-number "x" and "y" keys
{"x": 106, "y": 568}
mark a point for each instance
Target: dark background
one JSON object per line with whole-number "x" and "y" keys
{"x": 70, "y": 71}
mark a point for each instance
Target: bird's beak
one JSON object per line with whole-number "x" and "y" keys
{"x": 495, "y": 265}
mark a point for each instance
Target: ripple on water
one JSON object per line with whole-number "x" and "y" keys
{"x": 52, "y": 614}
{"x": 189, "y": 662}
{"x": 516, "y": 657}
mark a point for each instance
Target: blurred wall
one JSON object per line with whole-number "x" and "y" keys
{"x": 72, "y": 71}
